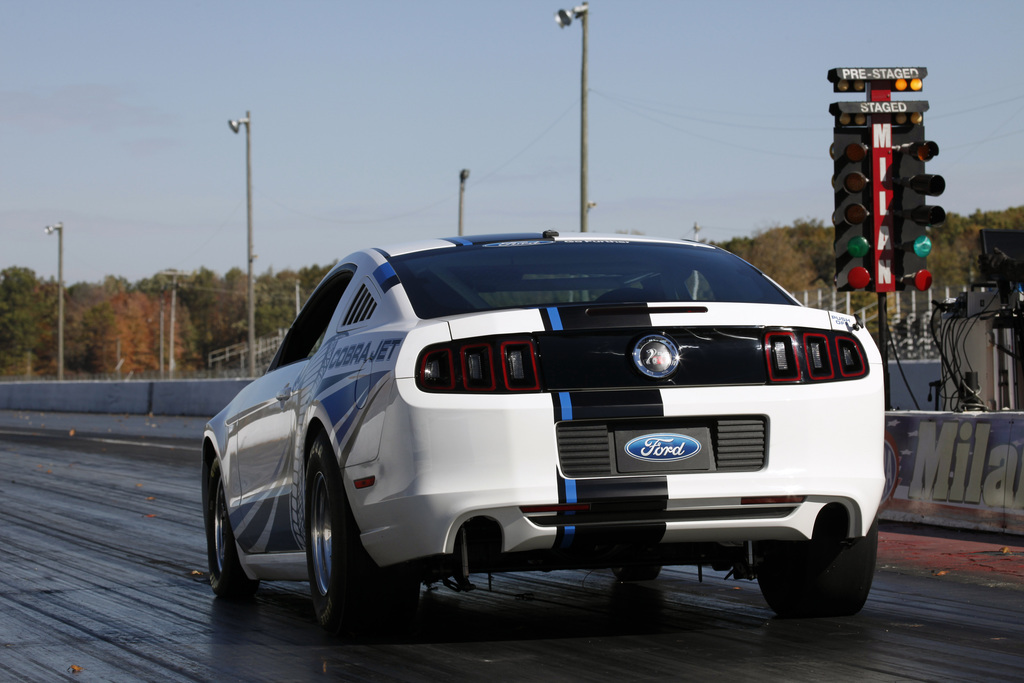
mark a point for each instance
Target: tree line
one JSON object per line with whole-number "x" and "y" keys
{"x": 801, "y": 256}
{"x": 114, "y": 326}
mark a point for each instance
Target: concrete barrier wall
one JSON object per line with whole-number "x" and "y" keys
{"x": 197, "y": 397}
{"x": 205, "y": 397}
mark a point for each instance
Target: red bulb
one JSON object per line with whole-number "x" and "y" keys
{"x": 859, "y": 277}
{"x": 923, "y": 280}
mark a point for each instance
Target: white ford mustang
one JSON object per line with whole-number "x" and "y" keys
{"x": 537, "y": 402}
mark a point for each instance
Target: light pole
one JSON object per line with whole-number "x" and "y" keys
{"x": 251, "y": 294}
{"x": 174, "y": 301}
{"x": 59, "y": 229}
{"x": 564, "y": 17}
{"x": 463, "y": 176}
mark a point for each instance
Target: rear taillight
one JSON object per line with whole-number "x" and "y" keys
{"x": 435, "y": 370}
{"x": 480, "y": 365}
{"x": 851, "y": 359}
{"x": 812, "y": 357}
{"x": 520, "y": 366}
{"x": 477, "y": 368}
{"x": 782, "y": 362}
{"x": 819, "y": 360}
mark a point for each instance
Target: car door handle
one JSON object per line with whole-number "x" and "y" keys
{"x": 285, "y": 393}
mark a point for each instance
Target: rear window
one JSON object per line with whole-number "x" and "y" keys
{"x": 467, "y": 279}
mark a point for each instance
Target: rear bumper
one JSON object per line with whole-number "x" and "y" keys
{"x": 447, "y": 459}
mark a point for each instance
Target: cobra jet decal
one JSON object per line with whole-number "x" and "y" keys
{"x": 360, "y": 352}
{"x": 264, "y": 526}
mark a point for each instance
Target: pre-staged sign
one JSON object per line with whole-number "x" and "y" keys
{"x": 956, "y": 469}
{"x": 880, "y": 74}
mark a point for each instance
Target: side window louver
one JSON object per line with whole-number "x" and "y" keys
{"x": 362, "y": 308}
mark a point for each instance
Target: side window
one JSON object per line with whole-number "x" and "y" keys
{"x": 309, "y": 329}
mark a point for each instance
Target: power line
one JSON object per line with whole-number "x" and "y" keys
{"x": 745, "y": 147}
{"x": 384, "y": 219}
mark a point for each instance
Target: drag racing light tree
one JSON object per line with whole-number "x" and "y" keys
{"x": 912, "y": 218}
{"x": 852, "y": 186}
{"x": 891, "y": 135}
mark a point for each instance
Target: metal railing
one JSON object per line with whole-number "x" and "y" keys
{"x": 237, "y": 355}
{"x": 910, "y": 314}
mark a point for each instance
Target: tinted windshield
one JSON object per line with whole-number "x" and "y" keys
{"x": 466, "y": 279}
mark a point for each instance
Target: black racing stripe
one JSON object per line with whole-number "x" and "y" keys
{"x": 631, "y": 493}
{"x": 597, "y": 317}
{"x": 621, "y": 489}
{"x": 546, "y": 318}
{"x": 602, "y": 405}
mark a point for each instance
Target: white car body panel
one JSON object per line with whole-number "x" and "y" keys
{"x": 436, "y": 460}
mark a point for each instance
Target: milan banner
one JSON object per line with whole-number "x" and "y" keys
{"x": 955, "y": 469}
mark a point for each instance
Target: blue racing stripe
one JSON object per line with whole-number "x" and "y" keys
{"x": 566, "y": 494}
{"x": 566, "y": 403}
{"x": 556, "y": 320}
{"x": 385, "y": 276}
{"x": 570, "y": 491}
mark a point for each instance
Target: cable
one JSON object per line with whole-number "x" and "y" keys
{"x": 745, "y": 148}
{"x": 899, "y": 366}
{"x": 951, "y": 340}
{"x": 413, "y": 212}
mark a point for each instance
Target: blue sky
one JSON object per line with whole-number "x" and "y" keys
{"x": 113, "y": 120}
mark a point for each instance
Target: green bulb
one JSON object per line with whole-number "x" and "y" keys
{"x": 858, "y": 247}
{"x": 923, "y": 246}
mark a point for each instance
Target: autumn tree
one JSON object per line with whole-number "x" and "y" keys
{"x": 21, "y": 321}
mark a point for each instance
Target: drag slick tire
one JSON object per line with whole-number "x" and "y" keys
{"x": 351, "y": 594}
{"x": 828, "y": 576}
{"x": 227, "y": 578}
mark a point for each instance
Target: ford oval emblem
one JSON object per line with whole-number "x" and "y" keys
{"x": 656, "y": 356}
{"x": 662, "y": 447}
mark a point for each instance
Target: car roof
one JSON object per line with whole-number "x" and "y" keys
{"x": 525, "y": 237}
